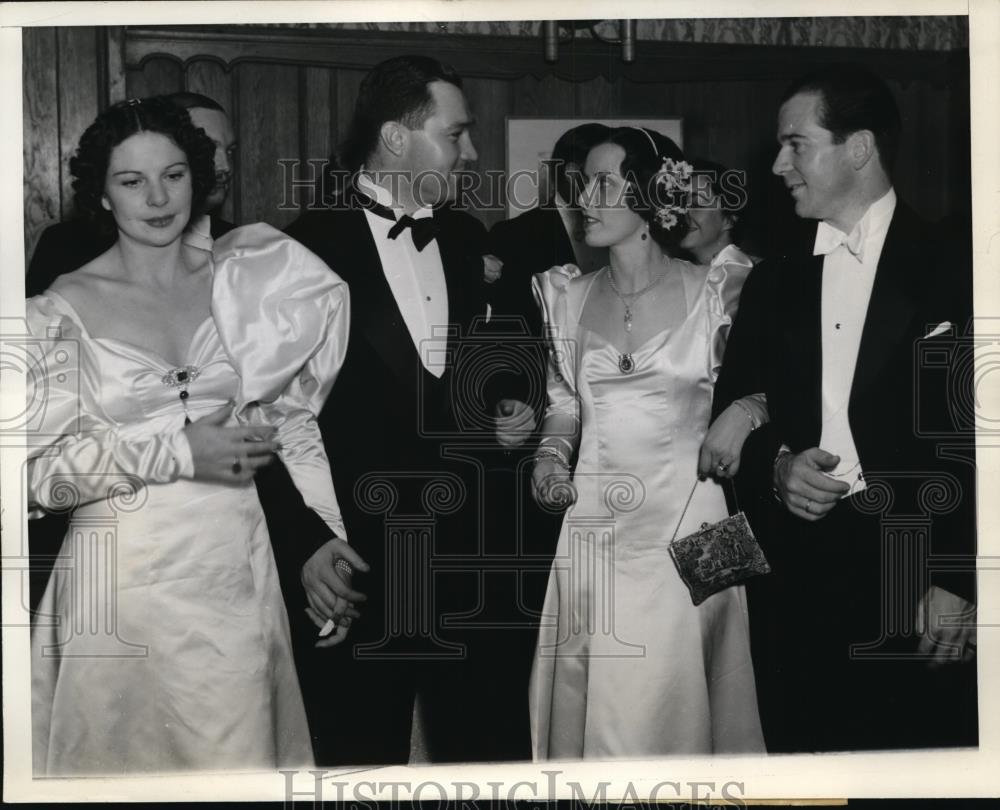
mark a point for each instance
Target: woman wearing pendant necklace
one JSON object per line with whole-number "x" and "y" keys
{"x": 171, "y": 372}
{"x": 626, "y": 665}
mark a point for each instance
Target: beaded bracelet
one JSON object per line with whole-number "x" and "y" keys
{"x": 551, "y": 454}
{"x": 566, "y": 442}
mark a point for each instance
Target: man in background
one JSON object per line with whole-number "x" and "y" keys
{"x": 552, "y": 232}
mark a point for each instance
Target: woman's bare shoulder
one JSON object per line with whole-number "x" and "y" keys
{"x": 88, "y": 286}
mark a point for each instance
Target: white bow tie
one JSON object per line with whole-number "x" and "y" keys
{"x": 829, "y": 238}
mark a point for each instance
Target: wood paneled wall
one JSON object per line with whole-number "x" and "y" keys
{"x": 67, "y": 80}
{"x": 290, "y": 95}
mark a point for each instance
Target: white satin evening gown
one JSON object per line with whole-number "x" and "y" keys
{"x": 162, "y": 642}
{"x": 626, "y": 665}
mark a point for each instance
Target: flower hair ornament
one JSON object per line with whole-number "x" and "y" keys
{"x": 670, "y": 187}
{"x": 672, "y": 191}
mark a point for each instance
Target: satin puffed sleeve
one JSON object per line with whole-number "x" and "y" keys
{"x": 726, "y": 275}
{"x": 283, "y": 317}
{"x": 77, "y": 454}
{"x": 551, "y": 291}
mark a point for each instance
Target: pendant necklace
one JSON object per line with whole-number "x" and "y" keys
{"x": 625, "y": 362}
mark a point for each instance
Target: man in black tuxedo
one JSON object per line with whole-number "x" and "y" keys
{"x": 394, "y": 427}
{"x": 872, "y": 517}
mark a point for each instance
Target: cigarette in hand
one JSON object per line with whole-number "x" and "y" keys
{"x": 327, "y": 628}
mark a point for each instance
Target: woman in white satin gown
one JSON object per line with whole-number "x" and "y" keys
{"x": 626, "y": 665}
{"x": 170, "y": 374}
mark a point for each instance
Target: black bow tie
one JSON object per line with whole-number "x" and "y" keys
{"x": 424, "y": 229}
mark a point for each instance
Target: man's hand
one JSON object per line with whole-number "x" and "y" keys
{"x": 515, "y": 422}
{"x": 329, "y": 591}
{"x": 492, "y": 268}
{"x": 803, "y": 486}
{"x": 946, "y": 624}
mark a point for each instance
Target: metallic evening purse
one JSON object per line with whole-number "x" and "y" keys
{"x": 717, "y": 555}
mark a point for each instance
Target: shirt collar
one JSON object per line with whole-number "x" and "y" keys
{"x": 198, "y": 233}
{"x": 382, "y": 196}
{"x": 872, "y": 227}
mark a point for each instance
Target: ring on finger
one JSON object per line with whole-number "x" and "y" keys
{"x": 809, "y": 506}
{"x": 722, "y": 467}
{"x": 237, "y": 466}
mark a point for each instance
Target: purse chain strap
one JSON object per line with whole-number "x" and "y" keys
{"x": 691, "y": 495}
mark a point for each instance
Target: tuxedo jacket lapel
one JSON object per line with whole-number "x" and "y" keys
{"x": 801, "y": 313}
{"x": 463, "y": 272}
{"x": 374, "y": 310}
{"x": 556, "y": 231}
{"x": 891, "y": 307}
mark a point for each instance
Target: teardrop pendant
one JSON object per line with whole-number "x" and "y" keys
{"x": 628, "y": 319}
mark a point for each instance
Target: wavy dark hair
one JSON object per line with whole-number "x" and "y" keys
{"x": 89, "y": 166}
{"x": 572, "y": 148}
{"x": 854, "y": 98}
{"x": 645, "y": 150}
{"x": 394, "y": 90}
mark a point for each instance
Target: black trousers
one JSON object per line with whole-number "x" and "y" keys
{"x": 834, "y": 643}
{"x": 451, "y": 616}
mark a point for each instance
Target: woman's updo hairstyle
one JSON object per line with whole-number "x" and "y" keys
{"x": 89, "y": 166}
{"x": 653, "y": 167}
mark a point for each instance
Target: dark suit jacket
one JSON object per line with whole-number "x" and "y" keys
{"x": 527, "y": 244}
{"x": 902, "y": 408}
{"x": 67, "y": 246}
{"x": 386, "y": 413}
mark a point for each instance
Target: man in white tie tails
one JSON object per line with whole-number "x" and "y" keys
{"x": 853, "y": 644}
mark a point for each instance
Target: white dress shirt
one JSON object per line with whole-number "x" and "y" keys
{"x": 416, "y": 279}
{"x": 848, "y": 275}
{"x": 199, "y": 233}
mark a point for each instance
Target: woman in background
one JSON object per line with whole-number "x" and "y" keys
{"x": 162, "y": 642}
{"x": 626, "y": 665}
